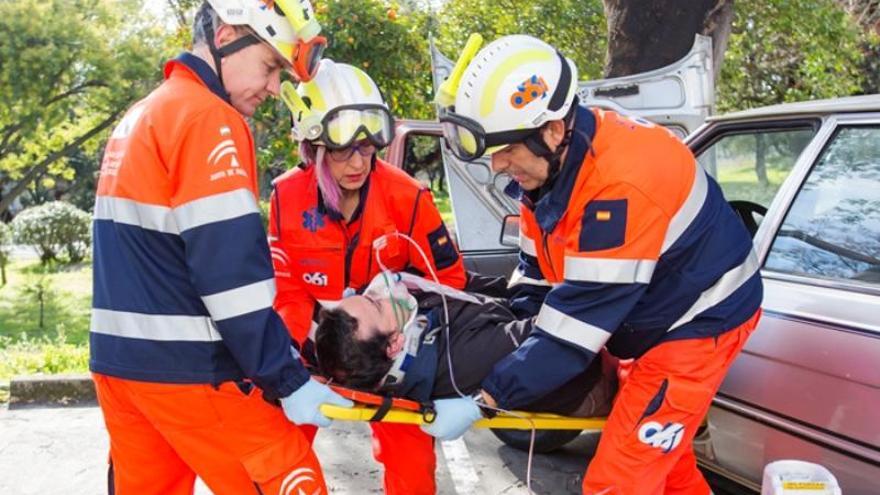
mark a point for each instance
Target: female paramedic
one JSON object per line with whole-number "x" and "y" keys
{"x": 340, "y": 216}
{"x": 626, "y": 243}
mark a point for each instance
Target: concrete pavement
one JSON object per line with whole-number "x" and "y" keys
{"x": 64, "y": 450}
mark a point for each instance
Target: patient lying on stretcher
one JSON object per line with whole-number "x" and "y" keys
{"x": 391, "y": 340}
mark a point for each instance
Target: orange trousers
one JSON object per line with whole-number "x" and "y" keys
{"x": 646, "y": 446}
{"x": 163, "y": 435}
{"x": 407, "y": 453}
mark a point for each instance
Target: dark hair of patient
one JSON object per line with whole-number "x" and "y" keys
{"x": 354, "y": 363}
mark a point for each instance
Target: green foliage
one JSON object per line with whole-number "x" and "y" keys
{"x": 576, "y": 27}
{"x": 61, "y": 345}
{"x": 789, "y": 50}
{"x": 28, "y": 356}
{"x": 389, "y": 43}
{"x": 65, "y": 66}
{"x": 53, "y": 228}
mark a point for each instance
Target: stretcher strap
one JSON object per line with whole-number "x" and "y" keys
{"x": 382, "y": 410}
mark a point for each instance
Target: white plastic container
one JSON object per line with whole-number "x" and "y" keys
{"x": 790, "y": 477}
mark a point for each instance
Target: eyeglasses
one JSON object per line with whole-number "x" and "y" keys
{"x": 364, "y": 148}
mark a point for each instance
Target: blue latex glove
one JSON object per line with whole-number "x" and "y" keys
{"x": 304, "y": 405}
{"x": 454, "y": 418}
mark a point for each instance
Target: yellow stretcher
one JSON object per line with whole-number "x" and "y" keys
{"x": 519, "y": 421}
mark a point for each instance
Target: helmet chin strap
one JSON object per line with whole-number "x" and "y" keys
{"x": 228, "y": 49}
{"x": 536, "y": 144}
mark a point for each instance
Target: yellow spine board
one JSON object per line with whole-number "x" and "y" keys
{"x": 520, "y": 421}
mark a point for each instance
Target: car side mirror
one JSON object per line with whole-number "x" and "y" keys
{"x": 510, "y": 231}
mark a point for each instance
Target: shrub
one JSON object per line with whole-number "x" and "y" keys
{"x": 54, "y": 228}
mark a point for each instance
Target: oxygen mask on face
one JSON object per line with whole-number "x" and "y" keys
{"x": 388, "y": 285}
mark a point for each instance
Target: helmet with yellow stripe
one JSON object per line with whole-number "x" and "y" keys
{"x": 339, "y": 106}
{"x": 288, "y": 26}
{"x": 507, "y": 92}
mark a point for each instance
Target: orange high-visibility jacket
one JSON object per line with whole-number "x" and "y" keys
{"x": 183, "y": 279}
{"x": 317, "y": 254}
{"x": 633, "y": 244}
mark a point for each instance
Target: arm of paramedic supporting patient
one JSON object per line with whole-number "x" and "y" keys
{"x": 527, "y": 286}
{"x": 226, "y": 251}
{"x": 430, "y": 233}
{"x": 609, "y": 261}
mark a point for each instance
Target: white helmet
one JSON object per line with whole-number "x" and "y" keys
{"x": 339, "y": 106}
{"x": 289, "y": 26}
{"x": 508, "y": 91}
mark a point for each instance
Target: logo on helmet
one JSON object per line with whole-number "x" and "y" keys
{"x": 528, "y": 91}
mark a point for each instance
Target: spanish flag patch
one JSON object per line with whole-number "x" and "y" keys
{"x": 603, "y": 215}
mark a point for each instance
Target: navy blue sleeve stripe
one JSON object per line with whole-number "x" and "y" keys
{"x": 600, "y": 305}
{"x": 219, "y": 263}
{"x": 128, "y": 278}
{"x": 514, "y": 381}
{"x": 263, "y": 355}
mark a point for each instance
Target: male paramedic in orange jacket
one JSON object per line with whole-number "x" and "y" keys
{"x": 626, "y": 243}
{"x": 187, "y": 354}
{"x": 340, "y": 217}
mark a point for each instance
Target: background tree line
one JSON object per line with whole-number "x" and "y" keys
{"x": 69, "y": 68}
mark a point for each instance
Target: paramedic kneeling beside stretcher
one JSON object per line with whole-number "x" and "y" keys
{"x": 626, "y": 243}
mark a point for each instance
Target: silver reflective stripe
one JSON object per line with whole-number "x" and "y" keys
{"x": 129, "y": 212}
{"x": 608, "y": 270}
{"x": 241, "y": 300}
{"x": 723, "y": 288}
{"x": 216, "y": 208}
{"x": 527, "y": 245}
{"x": 154, "y": 327}
{"x": 688, "y": 211}
{"x": 518, "y": 278}
{"x": 571, "y": 329}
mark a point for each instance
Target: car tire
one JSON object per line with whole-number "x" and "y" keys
{"x": 545, "y": 440}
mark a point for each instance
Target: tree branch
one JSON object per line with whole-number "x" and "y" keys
{"x": 40, "y": 167}
{"x": 76, "y": 90}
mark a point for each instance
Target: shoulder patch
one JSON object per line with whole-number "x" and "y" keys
{"x": 442, "y": 248}
{"x": 603, "y": 225}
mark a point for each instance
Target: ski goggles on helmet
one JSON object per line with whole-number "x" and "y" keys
{"x": 469, "y": 141}
{"x": 307, "y": 57}
{"x": 346, "y": 124}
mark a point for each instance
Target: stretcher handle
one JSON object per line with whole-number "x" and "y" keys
{"x": 541, "y": 421}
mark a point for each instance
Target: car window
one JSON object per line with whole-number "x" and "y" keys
{"x": 422, "y": 160}
{"x": 751, "y": 165}
{"x": 832, "y": 229}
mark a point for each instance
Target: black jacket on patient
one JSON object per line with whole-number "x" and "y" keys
{"x": 480, "y": 335}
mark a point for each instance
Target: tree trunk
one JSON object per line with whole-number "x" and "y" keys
{"x": 41, "y": 167}
{"x": 761, "y": 159}
{"x": 648, "y": 34}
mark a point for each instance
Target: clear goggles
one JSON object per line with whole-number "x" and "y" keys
{"x": 469, "y": 141}
{"x": 344, "y": 125}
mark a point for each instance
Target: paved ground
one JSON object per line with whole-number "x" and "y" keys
{"x": 63, "y": 450}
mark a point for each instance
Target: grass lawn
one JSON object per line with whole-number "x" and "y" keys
{"x": 61, "y": 344}
{"x": 740, "y": 182}
{"x": 441, "y": 199}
